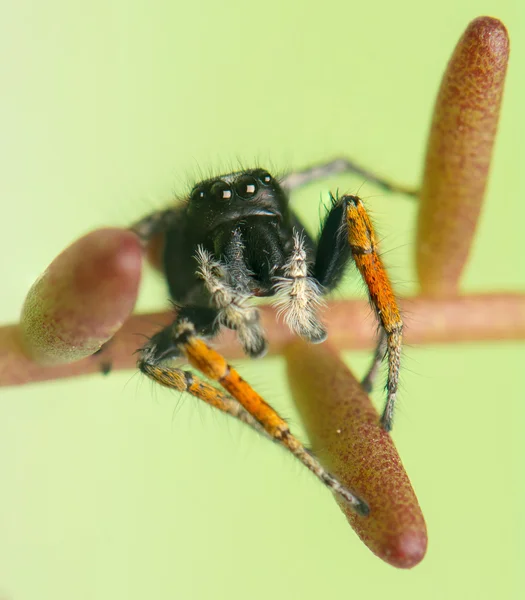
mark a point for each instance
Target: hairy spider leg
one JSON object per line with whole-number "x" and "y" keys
{"x": 151, "y": 229}
{"x": 186, "y": 381}
{"x": 347, "y": 234}
{"x": 364, "y": 247}
{"x": 298, "y": 179}
{"x": 214, "y": 365}
{"x": 367, "y": 383}
{"x": 155, "y": 223}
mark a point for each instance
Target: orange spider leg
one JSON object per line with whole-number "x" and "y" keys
{"x": 363, "y": 243}
{"x": 185, "y": 381}
{"x": 214, "y": 365}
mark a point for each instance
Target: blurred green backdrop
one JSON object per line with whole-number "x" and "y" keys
{"x": 113, "y": 488}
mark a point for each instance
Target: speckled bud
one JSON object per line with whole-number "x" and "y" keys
{"x": 83, "y": 297}
{"x": 344, "y": 431}
{"x": 458, "y": 154}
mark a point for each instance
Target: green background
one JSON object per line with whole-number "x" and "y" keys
{"x": 113, "y": 488}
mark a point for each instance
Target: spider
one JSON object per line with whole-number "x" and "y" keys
{"x": 236, "y": 237}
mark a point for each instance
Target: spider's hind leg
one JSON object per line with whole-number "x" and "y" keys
{"x": 348, "y": 233}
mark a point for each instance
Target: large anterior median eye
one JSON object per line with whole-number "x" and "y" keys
{"x": 221, "y": 191}
{"x": 246, "y": 186}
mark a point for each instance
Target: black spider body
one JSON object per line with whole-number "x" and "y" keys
{"x": 245, "y": 222}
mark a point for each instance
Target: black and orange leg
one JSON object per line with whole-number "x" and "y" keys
{"x": 298, "y": 179}
{"x": 379, "y": 356}
{"x": 186, "y": 381}
{"x": 242, "y": 400}
{"x": 348, "y": 234}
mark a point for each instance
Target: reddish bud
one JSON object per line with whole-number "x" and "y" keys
{"x": 83, "y": 297}
{"x": 458, "y": 154}
{"x": 344, "y": 431}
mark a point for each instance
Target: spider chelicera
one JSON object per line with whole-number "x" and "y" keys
{"x": 236, "y": 237}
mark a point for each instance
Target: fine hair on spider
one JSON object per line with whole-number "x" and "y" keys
{"x": 234, "y": 238}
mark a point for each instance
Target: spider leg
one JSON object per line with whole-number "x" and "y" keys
{"x": 298, "y": 179}
{"x": 158, "y": 222}
{"x": 180, "y": 338}
{"x": 348, "y": 233}
{"x": 186, "y": 381}
{"x": 381, "y": 348}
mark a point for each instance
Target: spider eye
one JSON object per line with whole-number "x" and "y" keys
{"x": 265, "y": 177}
{"x": 198, "y": 193}
{"x": 221, "y": 190}
{"x": 246, "y": 186}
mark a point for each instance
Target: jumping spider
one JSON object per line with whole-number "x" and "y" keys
{"x": 235, "y": 238}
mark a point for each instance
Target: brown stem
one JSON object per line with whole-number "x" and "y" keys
{"x": 350, "y": 325}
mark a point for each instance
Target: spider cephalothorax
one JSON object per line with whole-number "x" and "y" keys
{"x": 236, "y": 237}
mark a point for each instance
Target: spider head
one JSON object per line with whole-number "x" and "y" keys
{"x": 236, "y": 196}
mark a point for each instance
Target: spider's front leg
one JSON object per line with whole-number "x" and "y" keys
{"x": 242, "y": 401}
{"x": 348, "y": 232}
